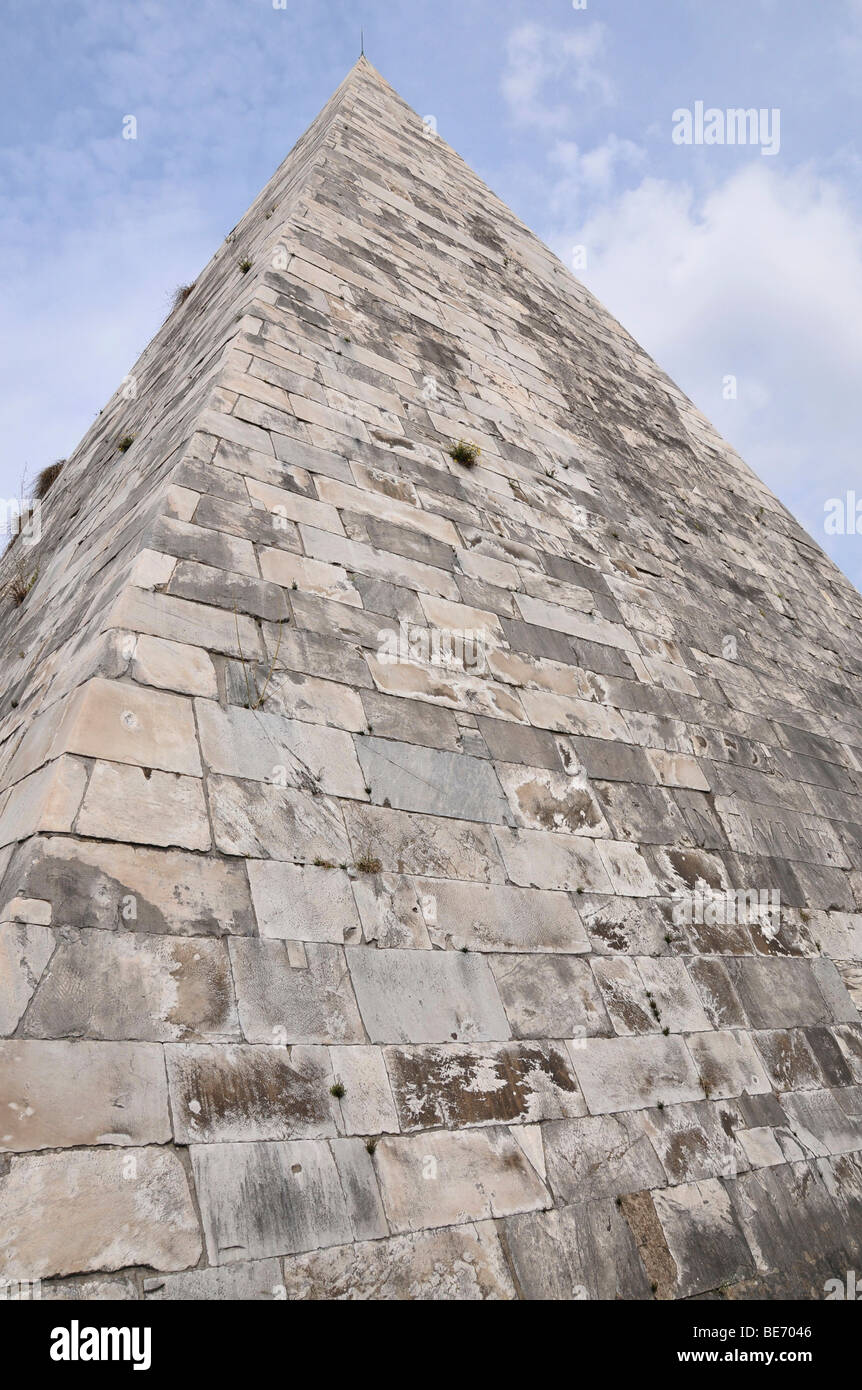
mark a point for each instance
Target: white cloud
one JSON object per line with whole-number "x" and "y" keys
{"x": 570, "y": 63}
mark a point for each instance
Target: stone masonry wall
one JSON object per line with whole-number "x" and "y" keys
{"x": 329, "y": 969}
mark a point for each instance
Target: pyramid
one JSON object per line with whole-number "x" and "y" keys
{"x": 430, "y": 816}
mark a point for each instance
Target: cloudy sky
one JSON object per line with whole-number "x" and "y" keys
{"x": 724, "y": 261}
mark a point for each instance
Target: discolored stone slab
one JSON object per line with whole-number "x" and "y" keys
{"x": 543, "y": 799}
{"x": 103, "y": 985}
{"x": 427, "y": 780}
{"x": 788, "y": 1208}
{"x": 115, "y": 886}
{"x": 295, "y": 902}
{"x": 624, "y": 995}
{"x": 259, "y": 1200}
{"x": 790, "y": 1063}
{"x": 56, "y": 1095}
{"x": 225, "y": 1093}
{"x": 259, "y": 1281}
{"x": 550, "y": 997}
{"x": 457, "y": 1263}
{"x": 367, "y": 1106}
{"x": 286, "y": 997}
{"x": 423, "y": 845}
{"x": 96, "y": 1210}
{"x": 695, "y": 1141}
{"x": 719, "y": 998}
{"x": 821, "y": 1125}
{"x": 454, "y": 1086}
{"x": 445, "y": 1179}
{"x": 426, "y": 997}
{"x": 144, "y": 808}
{"x": 491, "y": 917}
{"x": 259, "y": 821}
{"x": 703, "y": 1236}
{"x": 635, "y": 1073}
{"x": 257, "y": 746}
{"x": 728, "y": 1064}
{"x": 24, "y": 952}
{"x": 576, "y": 1252}
{"x": 540, "y": 859}
{"x": 778, "y": 993}
{"x": 599, "y": 1156}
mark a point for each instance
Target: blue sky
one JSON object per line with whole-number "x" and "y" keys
{"x": 721, "y": 260}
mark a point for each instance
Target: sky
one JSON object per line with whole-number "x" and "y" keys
{"x": 738, "y": 267}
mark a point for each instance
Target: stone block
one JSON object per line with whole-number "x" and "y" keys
{"x": 260, "y": 1200}
{"x": 446, "y": 1179}
{"x": 70, "y": 1094}
{"x": 260, "y": 821}
{"x": 550, "y": 996}
{"x": 426, "y": 996}
{"x": 103, "y": 985}
{"x": 456, "y": 1263}
{"x": 96, "y": 1209}
{"x": 228, "y": 1093}
{"x": 635, "y": 1073}
{"x": 454, "y": 1086}
{"x": 144, "y": 808}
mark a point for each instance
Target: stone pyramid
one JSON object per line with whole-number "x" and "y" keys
{"x": 423, "y": 876}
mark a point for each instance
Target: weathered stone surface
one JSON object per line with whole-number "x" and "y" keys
{"x": 67, "y": 1094}
{"x": 221, "y": 1094}
{"x": 122, "y": 887}
{"x": 92, "y": 1209}
{"x": 728, "y": 1064}
{"x": 256, "y": 1281}
{"x": 259, "y": 821}
{"x": 426, "y": 997}
{"x": 704, "y": 1239}
{"x": 261, "y": 747}
{"x": 367, "y": 1106}
{"x": 24, "y": 953}
{"x": 408, "y": 778}
{"x": 103, "y": 985}
{"x": 695, "y": 1141}
{"x": 285, "y": 998}
{"x": 543, "y": 799}
{"x": 144, "y": 808}
{"x": 599, "y": 1156}
{"x": 491, "y": 917}
{"x": 550, "y": 997}
{"x": 427, "y": 845}
{"x": 566, "y": 863}
{"x": 576, "y": 1252}
{"x": 778, "y": 993}
{"x": 259, "y": 1200}
{"x": 391, "y": 912}
{"x": 445, "y": 1179}
{"x": 359, "y": 1184}
{"x": 122, "y": 723}
{"x": 457, "y": 1263}
{"x": 635, "y": 1073}
{"x": 789, "y": 1207}
{"x": 455, "y": 1086}
{"x": 303, "y": 903}
{"x": 44, "y": 802}
{"x": 174, "y": 666}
